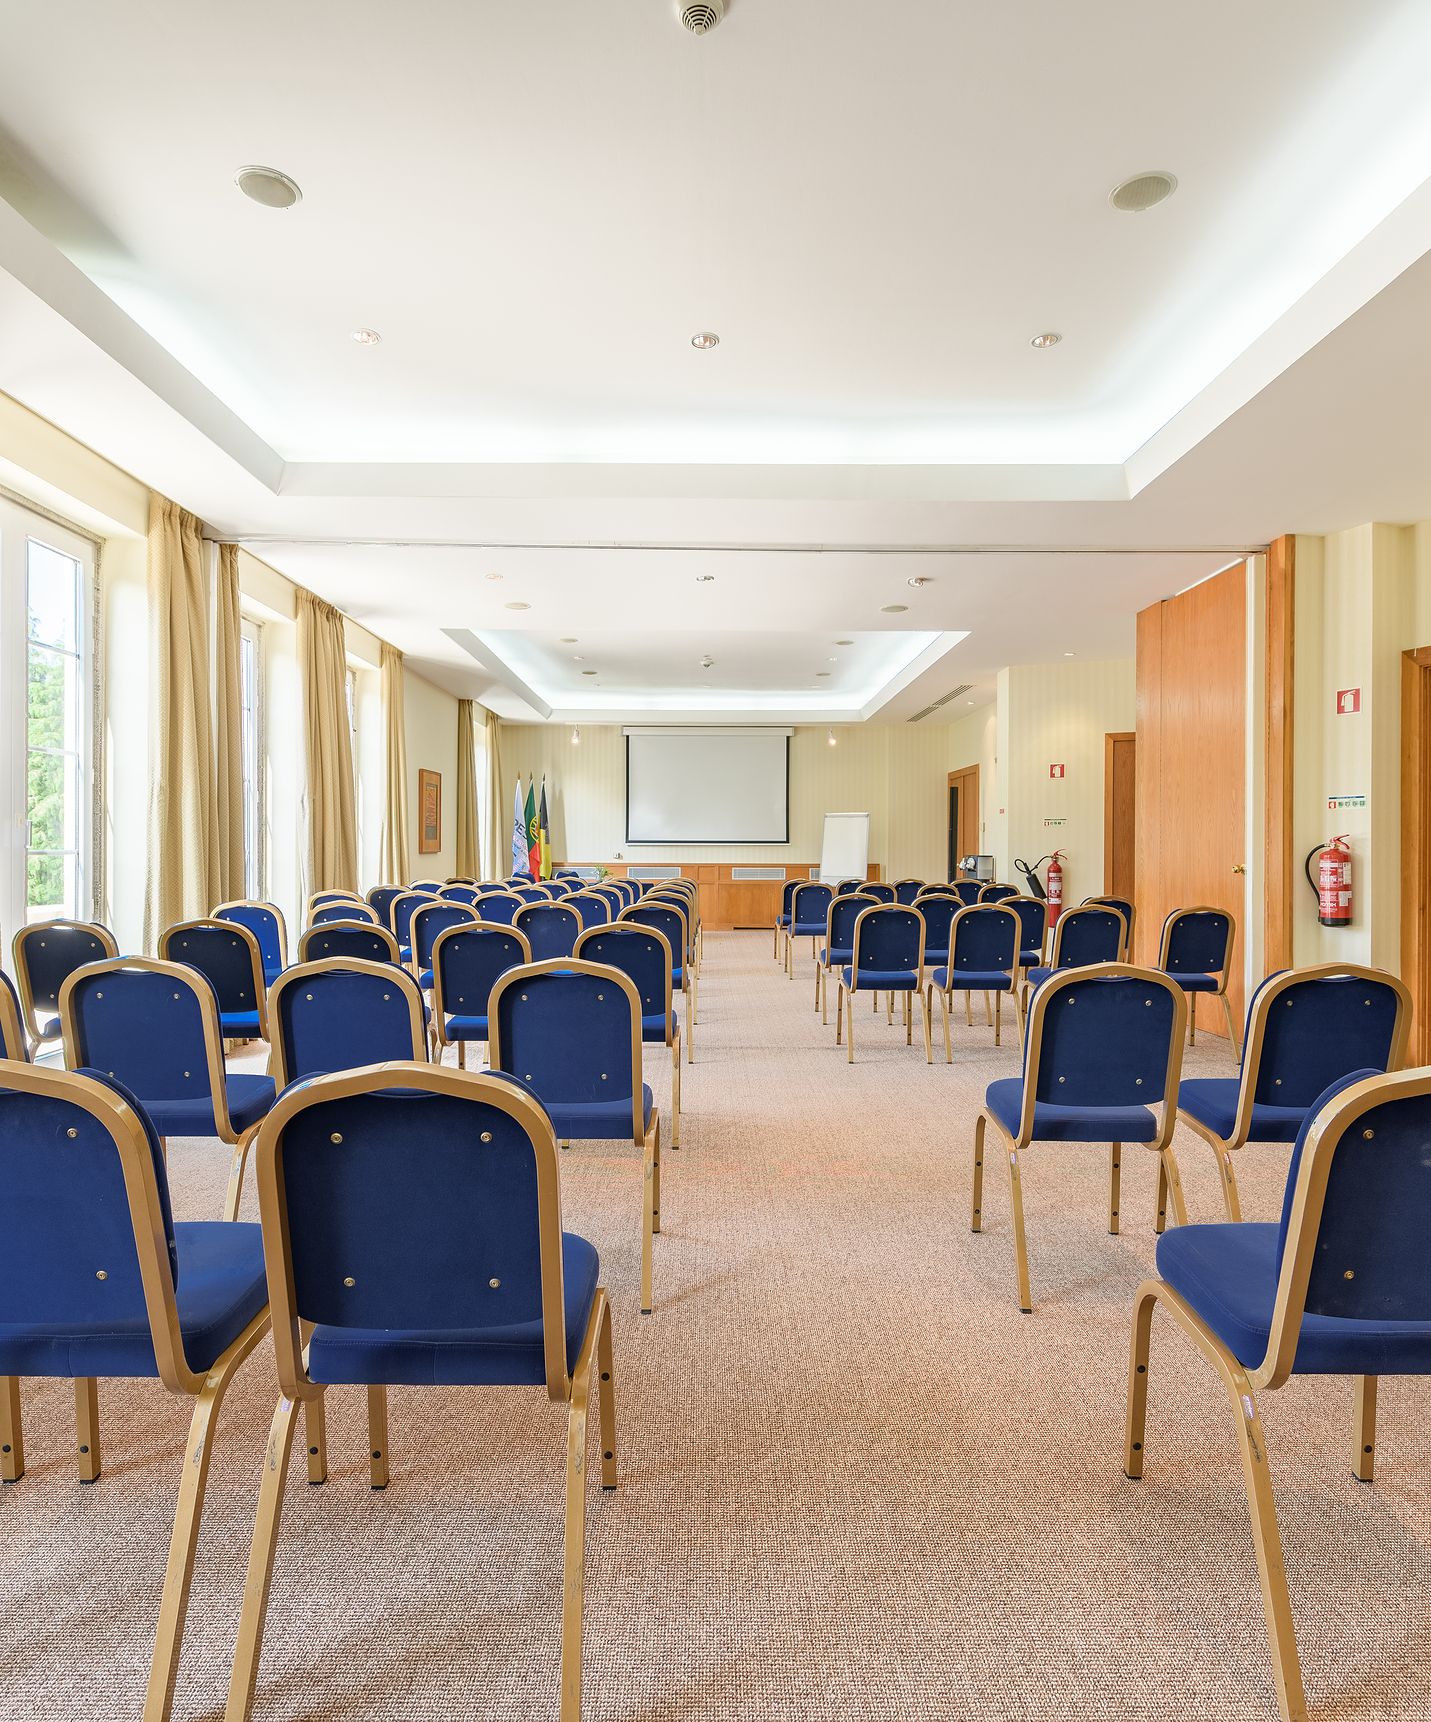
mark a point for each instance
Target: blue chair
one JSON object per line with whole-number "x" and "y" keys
{"x": 669, "y": 920}
{"x": 997, "y": 893}
{"x": 400, "y": 914}
{"x": 782, "y": 920}
{"x": 645, "y": 957}
{"x": 530, "y": 893}
{"x": 13, "y": 1043}
{"x": 520, "y": 878}
{"x": 497, "y": 906}
{"x": 46, "y": 955}
{"x": 1338, "y": 1287}
{"x": 1305, "y": 1029}
{"x": 691, "y": 893}
{"x": 567, "y": 873}
{"x": 847, "y": 887}
{"x": 1196, "y": 950}
{"x": 85, "y": 1183}
{"x": 594, "y": 909}
{"x": 343, "y": 911}
{"x": 839, "y": 946}
{"x": 572, "y": 1032}
{"x": 685, "y": 900}
{"x": 937, "y": 910}
{"x": 425, "y": 924}
{"x": 1125, "y": 907}
{"x": 381, "y": 899}
{"x": 880, "y": 893}
{"x": 466, "y": 964}
{"x": 154, "y": 1026}
{"x": 1081, "y": 937}
{"x": 558, "y": 888}
{"x": 265, "y": 921}
{"x": 319, "y": 898}
{"x": 888, "y": 957}
{"x": 967, "y": 891}
{"x": 331, "y": 940}
{"x": 1033, "y": 917}
{"x": 430, "y": 886}
{"x": 228, "y": 956}
{"x": 983, "y": 957}
{"x": 906, "y": 890}
{"x": 1102, "y": 1048}
{"x": 552, "y": 929}
{"x": 341, "y": 1014}
{"x": 809, "y": 910}
{"x": 413, "y": 1216}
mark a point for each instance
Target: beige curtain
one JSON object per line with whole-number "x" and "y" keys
{"x": 493, "y": 831}
{"x": 395, "y": 864}
{"x": 182, "y": 876}
{"x": 469, "y": 861}
{"x": 330, "y": 849}
{"x": 228, "y": 726}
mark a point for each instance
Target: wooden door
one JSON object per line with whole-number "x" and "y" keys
{"x": 964, "y": 814}
{"x": 1119, "y": 818}
{"x": 1191, "y": 766}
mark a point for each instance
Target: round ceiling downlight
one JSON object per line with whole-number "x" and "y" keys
{"x": 516, "y": 606}
{"x": 366, "y": 337}
{"x": 701, "y": 16}
{"x": 891, "y": 609}
{"x": 266, "y": 185}
{"x": 1048, "y": 339}
{"x": 705, "y": 340}
{"x": 1142, "y": 192}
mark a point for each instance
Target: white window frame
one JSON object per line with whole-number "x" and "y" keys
{"x": 255, "y": 770}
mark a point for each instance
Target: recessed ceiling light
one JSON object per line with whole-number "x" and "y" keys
{"x": 494, "y": 576}
{"x": 588, "y": 672}
{"x": 844, "y": 642}
{"x": 968, "y": 702}
{"x": 266, "y": 185}
{"x": 366, "y": 337}
{"x": 1142, "y": 192}
{"x": 704, "y": 579}
{"x": 1046, "y": 340}
{"x": 568, "y": 639}
{"x": 891, "y": 609}
{"x": 917, "y": 580}
{"x": 707, "y": 663}
{"x": 516, "y": 606}
{"x": 577, "y": 658}
{"x": 1069, "y": 654}
{"x": 705, "y": 340}
{"x": 819, "y": 673}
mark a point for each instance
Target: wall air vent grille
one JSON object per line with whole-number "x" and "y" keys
{"x": 953, "y": 694}
{"x": 653, "y": 873}
{"x": 757, "y": 873}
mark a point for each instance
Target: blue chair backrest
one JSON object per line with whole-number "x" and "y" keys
{"x": 333, "y": 939}
{"x": 51, "y": 954}
{"x": 1318, "y": 1031}
{"x": 846, "y": 887}
{"x": 1033, "y": 918}
{"x": 569, "y": 1036}
{"x": 996, "y": 893}
{"x": 12, "y": 1022}
{"x": 666, "y": 918}
{"x": 881, "y": 893}
{"x": 844, "y": 912}
{"x": 552, "y": 929}
{"x": 984, "y": 937}
{"x": 470, "y": 963}
{"x": 530, "y": 893}
{"x": 319, "y": 898}
{"x": 66, "y": 1209}
{"x": 402, "y": 911}
{"x": 632, "y": 950}
{"x": 225, "y": 958}
{"x": 1105, "y": 1042}
{"x": 1197, "y": 942}
{"x": 461, "y": 894}
{"x": 937, "y": 913}
{"x": 1123, "y": 903}
{"x": 520, "y": 879}
{"x": 888, "y": 939}
{"x": 497, "y": 906}
{"x": 594, "y": 910}
{"x": 906, "y": 890}
{"x": 430, "y": 919}
{"x": 1090, "y": 936}
{"x": 342, "y": 910}
{"x": 812, "y": 904}
{"x": 787, "y": 891}
{"x": 342, "y": 1021}
{"x": 435, "y": 1195}
{"x": 967, "y": 891}
{"x": 381, "y": 899}
{"x": 143, "y": 1030}
{"x": 261, "y": 919}
{"x": 559, "y": 887}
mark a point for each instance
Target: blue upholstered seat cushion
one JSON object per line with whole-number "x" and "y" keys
{"x": 466, "y": 1028}
{"x": 50, "y": 1028}
{"x": 654, "y": 1027}
{"x": 221, "y": 1288}
{"x": 1036, "y": 977}
{"x": 807, "y": 929}
{"x": 880, "y": 980}
{"x": 271, "y": 972}
{"x": 1228, "y": 1274}
{"x": 831, "y": 958}
{"x": 973, "y": 980}
{"x": 598, "y": 1120}
{"x": 1212, "y": 1100}
{"x": 782, "y": 920}
{"x": 424, "y": 980}
{"x": 239, "y": 1024}
{"x": 1069, "y": 1123}
{"x": 460, "y": 1357}
{"x": 932, "y": 956}
{"x": 1196, "y": 983}
{"x": 250, "y": 1098}
{"x": 1027, "y": 959}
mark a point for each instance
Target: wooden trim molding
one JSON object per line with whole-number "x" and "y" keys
{"x": 1416, "y": 846}
{"x": 1110, "y": 737}
{"x": 1278, "y": 860}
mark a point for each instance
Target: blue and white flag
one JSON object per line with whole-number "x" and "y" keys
{"x": 520, "y": 849}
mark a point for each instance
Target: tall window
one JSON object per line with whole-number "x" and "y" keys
{"x": 251, "y": 732}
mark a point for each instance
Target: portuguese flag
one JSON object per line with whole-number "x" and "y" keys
{"x": 534, "y": 835}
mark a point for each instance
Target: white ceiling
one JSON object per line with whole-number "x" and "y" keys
{"x": 875, "y": 207}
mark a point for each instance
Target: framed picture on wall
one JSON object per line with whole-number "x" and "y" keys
{"x": 429, "y": 812}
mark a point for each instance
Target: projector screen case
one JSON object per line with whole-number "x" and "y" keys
{"x": 707, "y": 786}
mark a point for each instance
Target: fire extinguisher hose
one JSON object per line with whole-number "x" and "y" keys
{"x": 1031, "y": 873}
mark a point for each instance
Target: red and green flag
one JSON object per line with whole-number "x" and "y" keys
{"x": 534, "y": 834}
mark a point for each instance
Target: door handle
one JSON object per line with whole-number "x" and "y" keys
{"x": 1239, "y": 869}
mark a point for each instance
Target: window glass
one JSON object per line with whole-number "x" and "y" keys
{"x": 54, "y": 763}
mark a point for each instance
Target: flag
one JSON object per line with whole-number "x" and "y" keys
{"x": 533, "y": 863}
{"x": 546, "y": 834}
{"x": 519, "y": 833}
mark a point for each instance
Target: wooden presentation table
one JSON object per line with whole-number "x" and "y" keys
{"x": 733, "y": 895}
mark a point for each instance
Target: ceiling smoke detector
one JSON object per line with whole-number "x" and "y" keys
{"x": 701, "y": 16}
{"x": 1142, "y": 192}
{"x": 266, "y": 185}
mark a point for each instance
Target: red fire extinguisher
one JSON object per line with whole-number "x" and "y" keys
{"x": 1055, "y": 887}
{"x": 1333, "y": 884}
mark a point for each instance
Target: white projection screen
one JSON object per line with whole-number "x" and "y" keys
{"x": 708, "y": 785}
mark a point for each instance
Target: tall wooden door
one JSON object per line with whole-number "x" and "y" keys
{"x": 1191, "y": 765}
{"x": 1119, "y": 813}
{"x": 963, "y": 815}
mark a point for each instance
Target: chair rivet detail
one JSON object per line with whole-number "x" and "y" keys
{"x": 101, "y": 1275}
{"x": 1368, "y": 1134}
{"x": 349, "y": 1282}
{"x": 1060, "y": 1079}
{"x": 494, "y": 1284}
{"x": 176, "y": 995}
{"x": 71, "y": 1131}
{"x": 1349, "y": 1274}
{"x": 335, "y": 1137}
{"x": 1137, "y": 1082}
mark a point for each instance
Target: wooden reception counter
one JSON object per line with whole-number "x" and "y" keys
{"x": 733, "y": 895}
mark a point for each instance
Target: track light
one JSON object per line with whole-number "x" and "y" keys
{"x": 575, "y": 735}
{"x": 832, "y": 738}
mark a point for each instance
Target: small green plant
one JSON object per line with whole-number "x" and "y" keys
{"x": 603, "y": 872}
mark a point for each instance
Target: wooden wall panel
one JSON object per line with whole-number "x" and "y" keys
{"x": 1120, "y": 813}
{"x": 1147, "y": 888}
{"x": 1278, "y": 860}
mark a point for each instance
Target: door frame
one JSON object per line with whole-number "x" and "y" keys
{"x": 1109, "y": 737}
{"x": 967, "y": 781}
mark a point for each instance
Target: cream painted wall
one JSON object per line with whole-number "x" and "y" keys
{"x": 974, "y": 740}
{"x": 430, "y": 721}
{"x": 126, "y": 737}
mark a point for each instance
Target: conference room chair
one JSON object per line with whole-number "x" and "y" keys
{"x": 1081, "y": 937}
{"x": 839, "y": 946}
{"x": 629, "y": 889}
{"x": 154, "y": 1026}
{"x": 529, "y": 893}
{"x": 227, "y": 955}
{"x": 646, "y": 958}
{"x": 460, "y": 879}
{"x": 983, "y": 957}
{"x": 670, "y": 922}
{"x": 331, "y": 940}
{"x": 615, "y": 899}
{"x": 809, "y": 908}
{"x": 967, "y": 891}
{"x": 13, "y": 1041}
{"x": 521, "y": 877}
{"x": 85, "y": 1183}
{"x": 1196, "y": 950}
{"x": 906, "y": 890}
{"x": 265, "y": 921}
{"x": 1103, "y": 1050}
{"x": 381, "y": 899}
{"x": 460, "y": 892}
{"x": 400, "y": 915}
{"x": 782, "y": 920}
{"x": 888, "y": 957}
{"x": 1305, "y": 1029}
{"x": 1125, "y": 906}
{"x": 937, "y": 910}
{"x": 567, "y": 873}
{"x": 45, "y": 956}
{"x": 425, "y": 923}
{"x": 559, "y": 888}
{"x": 1033, "y": 916}
{"x": 497, "y": 906}
{"x": 552, "y": 929}
{"x": 343, "y": 911}
{"x": 880, "y": 893}
{"x": 685, "y": 901}
{"x": 441, "y": 1189}
{"x": 593, "y": 908}
{"x": 996, "y": 893}
{"x": 430, "y": 885}
{"x": 341, "y": 1014}
{"x": 572, "y": 1032}
{"x": 847, "y": 887}
{"x": 693, "y": 896}
{"x": 1338, "y": 1287}
{"x": 467, "y": 962}
{"x": 319, "y": 898}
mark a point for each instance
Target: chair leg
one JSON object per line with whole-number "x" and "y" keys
{"x": 676, "y": 1089}
{"x": 12, "y": 1431}
{"x": 462, "y": 1055}
{"x": 1231, "y": 1202}
{"x": 817, "y": 986}
{"x": 850, "y": 1023}
{"x": 908, "y": 1020}
{"x": 998, "y": 1016}
{"x": 825, "y": 998}
{"x": 1231, "y": 1030}
{"x": 607, "y": 1394}
{"x": 976, "y": 1218}
{"x": 1021, "y": 1254}
{"x": 260, "y": 1561}
{"x": 236, "y": 1172}
{"x": 695, "y": 1007}
{"x": 928, "y": 1038}
{"x": 656, "y": 1174}
{"x": 1364, "y": 1427}
{"x": 968, "y": 1012}
{"x": 184, "y": 1540}
{"x": 690, "y": 1038}
{"x": 87, "y": 1427}
{"x": 948, "y": 1045}
{"x": 315, "y": 1427}
{"x": 1115, "y": 1179}
{"x": 648, "y": 1214}
{"x": 1170, "y": 1189}
{"x": 1192, "y": 1019}
{"x": 839, "y": 1011}
{"x": 377, "y": 1436}
{"x": 775, "y": 951}
{"x": 573, "y": 1581}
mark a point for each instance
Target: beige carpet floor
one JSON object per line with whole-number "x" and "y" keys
{"x": 855, "y": 1481}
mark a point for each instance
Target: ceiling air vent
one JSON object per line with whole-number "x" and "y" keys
{"x": 1142, "y": 192}
{"x": 953, "y": 694}
{"x": 703, "y": 15}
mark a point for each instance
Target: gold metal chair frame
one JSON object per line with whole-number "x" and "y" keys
{"x": 822, "y": 969}
{"x": 673, "y": 1025}
{"x": 427, "y": 885}
{"x": 440, "y": 1012}
{"x": 258, "y": 903}
{"x": 181, "y": 975}
{"x": 357, "y": 911}
{"x": 1056, "y": 953}
{"x": 1262, "y": 1004}
{"x": 688, "y": 967}
{"x": 854, "y": 966}
{"x": 310, "y": 936}
{"x": 316, "y": 900}
{"x": 648, "y": 1141}
{"x": 423, "y": 897}
{"x": 995, "y": 1016}
{"x": 242, "y": 935}
{"x": 1115, "y": 903}
{"x": 22, "y": 968}
{"x": 206, "y": 1390}
{"x": 1161, "y": 1145}
{"x": 301, "y": 973}
{"x": 1221, "y": 994}
{"x": 295, "y": 1386}
{"x": 1243, "y": 1383}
